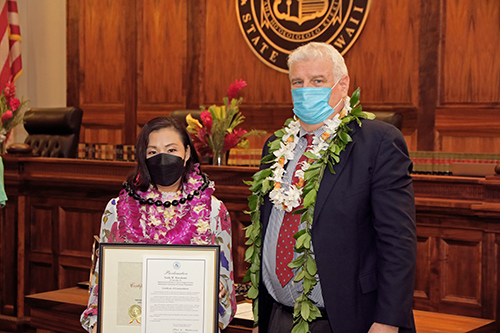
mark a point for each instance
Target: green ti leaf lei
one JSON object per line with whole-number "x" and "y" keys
{"x": 304, "y": 265}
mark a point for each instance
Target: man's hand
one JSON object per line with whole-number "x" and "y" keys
{"x": 382, "y": 328}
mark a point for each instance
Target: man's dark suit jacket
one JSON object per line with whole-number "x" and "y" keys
{"x": 364, "y": 234}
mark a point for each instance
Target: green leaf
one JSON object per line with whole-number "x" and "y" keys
{"x": 330, "y": 166}
{"x": 246, "y": 278}
{"x": 301, "y": 327}
{"x": 262, "y": 174}
{"x": 299, "y": 276}
{"x": 254, "y": 278}
{"x": 305, "y": 311}
{"x": 279, "y": 133}
{"x": 299, "y": 211}
{"x": 305, "y": 216}
{"x": 314, "y": 312}
{"x": 307, "y": 241}
{"x": 311, "y": 266}
{"x": 255, "y": 309}
{"x": 306, "y": 285}
{"x": 344, "y": 137}
{"x": 310, "y": 155}
{"x": 253, "y": 200}
{"x": 297, "y": 262}
{"x": 300, "y": 241}
{"x": 310, "y": 198}
{"x": 248, "y": 230}
{"x": 369, "y": 115}
{"x": 355, "y": 97}
{"x": 275, "y": 145}
{"x": 299, "y": 233}
{"x": 253, "y": 292}
{"x": 266, "y": 186}
{"x": 249, "y": 253}
{"x": 267, "y": 159}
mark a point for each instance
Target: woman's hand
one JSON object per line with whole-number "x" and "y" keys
{"x": 222, "y": 291}
{"x": 94, "y": 329}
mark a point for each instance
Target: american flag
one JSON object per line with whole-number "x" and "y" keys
{"x": 10, "y": 44}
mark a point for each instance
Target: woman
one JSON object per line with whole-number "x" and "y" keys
{"x": 167, "y": 200}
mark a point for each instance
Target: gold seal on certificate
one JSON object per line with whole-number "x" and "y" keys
{"x": 135, "y": 313}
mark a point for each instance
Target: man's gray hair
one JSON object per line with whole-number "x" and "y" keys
{"x": 315, "y": 50}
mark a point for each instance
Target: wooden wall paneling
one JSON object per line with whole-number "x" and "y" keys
{"x": 490, "y": 281}
{"x": 40, "y": 246}
{"x": 73, "y": 53}
{"x": 469, "y": 95}
{"x": 162, "y": 78}
{"x": 427, "y": 294}
{"x": 78, "y": 223}
{"x": 471, "y": 66}
{"x": 266, "y": 99}
{"x": 472, "y": 130}
{"x": 22, "y": 237}
{"x": 424, "y": 260}
{"x": 461, "y": 253}
{"x": 196, "y": 45}
{"x": 430, "y": 34}
{"x": 101, "y": 134}
{"x": 8, "y": 256}
{"x": 384, "y": 60}
{"x": 453, "y": 272}
{"x": 107, "y": 63}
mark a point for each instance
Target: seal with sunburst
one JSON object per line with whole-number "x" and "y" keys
{"x": 274, "y": 28}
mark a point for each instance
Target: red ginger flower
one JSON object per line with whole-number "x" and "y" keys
{"x": 6, "y": 116}
{"x": 234, "y": 89}
{"x": 232, "y": 139}
{"x": 206, "y": 118}
{"x": 10, "y": 90}
{"x": 14, "y": 104}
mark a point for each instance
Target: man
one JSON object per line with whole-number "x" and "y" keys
{"x": 363, "y": 231}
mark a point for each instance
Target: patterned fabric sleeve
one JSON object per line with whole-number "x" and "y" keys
{"x": 89, "y": 316}
{"x": 222, "y": 234}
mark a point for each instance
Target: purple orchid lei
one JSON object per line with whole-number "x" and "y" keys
{"x": 187, "y": 223}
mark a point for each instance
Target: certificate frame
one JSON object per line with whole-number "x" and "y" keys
{"x": 121, "y": 265}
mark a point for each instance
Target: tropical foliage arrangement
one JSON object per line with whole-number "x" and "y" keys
{"x": 11, "y": 110}
{"x": 218, "y": 133}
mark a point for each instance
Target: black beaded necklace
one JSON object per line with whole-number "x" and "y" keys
{"x": 131, "y": 192}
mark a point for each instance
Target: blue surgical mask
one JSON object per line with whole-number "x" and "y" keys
{"x": 310, "y": 104}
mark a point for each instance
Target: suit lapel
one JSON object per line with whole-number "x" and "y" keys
{"x": 329, "y": 179}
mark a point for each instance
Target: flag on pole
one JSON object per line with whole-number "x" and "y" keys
{"x": 10, "y": 43}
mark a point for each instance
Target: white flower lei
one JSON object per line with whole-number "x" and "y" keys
{"x": 289, "y": 199}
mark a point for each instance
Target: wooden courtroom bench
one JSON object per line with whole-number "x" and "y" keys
{"x": 59, "y": 311}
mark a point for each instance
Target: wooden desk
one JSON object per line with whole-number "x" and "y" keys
{"x": 60, "y": 310}
{"x": 428, "y": 322}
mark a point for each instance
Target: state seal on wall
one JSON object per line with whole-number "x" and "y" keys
{"x": 274, "y": 28}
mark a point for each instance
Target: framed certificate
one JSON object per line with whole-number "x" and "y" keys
{"x": 158, "y": 288}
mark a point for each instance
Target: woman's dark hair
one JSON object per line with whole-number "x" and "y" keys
{"x": 140, "y": 178}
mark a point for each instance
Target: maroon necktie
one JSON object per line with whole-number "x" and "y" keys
{"x": 289, "y": 226}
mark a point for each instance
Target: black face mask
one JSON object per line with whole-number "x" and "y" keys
{"x": 165, "y": 169}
